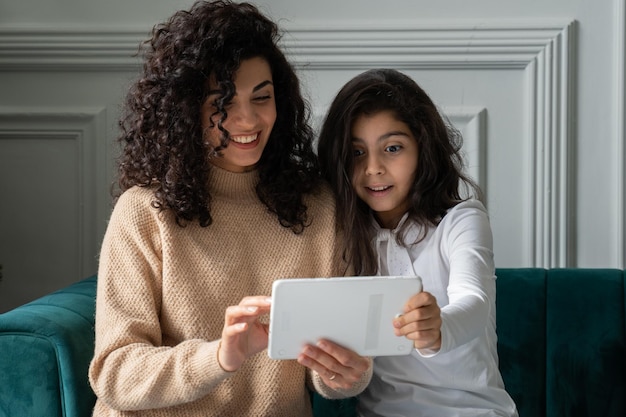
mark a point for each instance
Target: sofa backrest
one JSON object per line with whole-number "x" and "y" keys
{"x": 45, "y": 350}
{"x": 561, "y": 341}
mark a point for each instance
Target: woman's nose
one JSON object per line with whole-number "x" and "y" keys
{"x": 244, "y": 115}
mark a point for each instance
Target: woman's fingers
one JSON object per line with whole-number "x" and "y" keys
{"x": 243, "y": 334}
{"x": 337, "y": 366}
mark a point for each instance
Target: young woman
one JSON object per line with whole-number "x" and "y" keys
{"x": 406, "y": 208}
{"x": 220, "y": 196}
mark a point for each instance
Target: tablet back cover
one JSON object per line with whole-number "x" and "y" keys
{"x": 355, "y": 312}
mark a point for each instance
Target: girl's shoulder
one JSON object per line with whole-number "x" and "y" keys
{"x": 466, "y": 214}
{"x": 468, "y": 206}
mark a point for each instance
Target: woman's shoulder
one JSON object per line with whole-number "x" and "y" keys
{"x": 321, "y": 198}
{"x": 136, "y": 196}
{"x": 320, "y": 205}
{"x": 136, "y": 202}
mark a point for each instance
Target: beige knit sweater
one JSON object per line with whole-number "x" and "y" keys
{"x": 163, "y": 291}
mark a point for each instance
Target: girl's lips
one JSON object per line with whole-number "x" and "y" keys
{"x": 379, "y": 187}
{"x": 379, "y": 190}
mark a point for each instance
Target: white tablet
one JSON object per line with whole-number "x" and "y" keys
{"x": 355, "y": 312}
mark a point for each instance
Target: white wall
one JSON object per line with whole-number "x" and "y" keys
{"x": 536, "y": 86}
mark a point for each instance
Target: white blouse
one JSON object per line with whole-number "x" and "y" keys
{"x": 455, "y": 262}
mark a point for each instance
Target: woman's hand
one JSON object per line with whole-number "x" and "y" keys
{"x": 338, "y": 367}
{"x": 243, "y": 334}
{"x": 421, "y": 321}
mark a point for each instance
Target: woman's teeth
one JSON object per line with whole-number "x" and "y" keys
{"x": 244, "y": 139}
{"x": 381, "y": 188}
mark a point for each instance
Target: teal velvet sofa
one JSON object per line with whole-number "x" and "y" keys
{"x": 561, "y": 343}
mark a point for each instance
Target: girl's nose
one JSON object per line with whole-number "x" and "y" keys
{"x": 374, "y": 167}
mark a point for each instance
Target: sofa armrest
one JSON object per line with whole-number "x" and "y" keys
{"x": 46, "y": 348}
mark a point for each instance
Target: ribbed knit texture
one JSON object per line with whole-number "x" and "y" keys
{"x": 163, "y": 291}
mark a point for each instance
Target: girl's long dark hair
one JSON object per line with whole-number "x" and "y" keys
{"x": 439, "y": 182}
{"x": 162, "y": 139}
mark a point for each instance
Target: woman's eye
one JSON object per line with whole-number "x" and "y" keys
{"x": 393, "y": 148}
{"x": 357, "y": 152}
{"x": 262, "y": 98}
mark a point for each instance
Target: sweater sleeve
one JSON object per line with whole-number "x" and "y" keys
{"x": 131, "y": 369}
{"x": 467, "y": 241}
{"x": 331, "y": 393}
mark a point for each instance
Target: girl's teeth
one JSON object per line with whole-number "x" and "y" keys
{"x": 244, "y": 139}
{"x": 378, "y": 188}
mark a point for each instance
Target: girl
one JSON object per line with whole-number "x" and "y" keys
{"x": 406, "y": 208}
{"x": 220, "y": 195}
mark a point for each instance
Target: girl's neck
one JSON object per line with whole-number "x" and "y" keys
{"x": 387, "y": 221}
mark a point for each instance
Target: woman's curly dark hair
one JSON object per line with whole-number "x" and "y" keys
{"x": 440, "y": 182}
{"x": 162, "y": 139}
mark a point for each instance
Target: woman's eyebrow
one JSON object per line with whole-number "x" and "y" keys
{"x": 261, "y": 85}
{"x": 254, "y": 90}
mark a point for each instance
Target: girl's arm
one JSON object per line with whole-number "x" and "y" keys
{"x": 471, "y": 287}
{"x": 467, "y": 260}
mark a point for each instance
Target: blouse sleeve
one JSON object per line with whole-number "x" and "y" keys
{"x": 468, "y": 244}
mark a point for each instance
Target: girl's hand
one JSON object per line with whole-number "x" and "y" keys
{"x": 421, "y": 321}
{"x": 243, "y": 334}
{"x": 338, "y": 367}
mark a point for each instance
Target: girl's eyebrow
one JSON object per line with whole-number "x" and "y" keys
{"x": 384, "y": 136}
{"x": 254, "y": 90}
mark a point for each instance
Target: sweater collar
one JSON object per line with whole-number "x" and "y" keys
{"x": 237, "y": 185}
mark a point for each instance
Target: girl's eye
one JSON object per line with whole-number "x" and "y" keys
{"x": 357, "y": 152}
{"x": 262, "y": 98}
{"x": 393, "y": 148}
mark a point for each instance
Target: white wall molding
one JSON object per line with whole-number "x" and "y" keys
{"x": 472, "y": 123}
{"x": 544, "y": 50}
{"x": 422, "y": 45}
{"x": 75, "y": 49}
{"x": 541, "y": 48}
{"x": 620, "y": 128}
{"x": 87, "y": 129}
